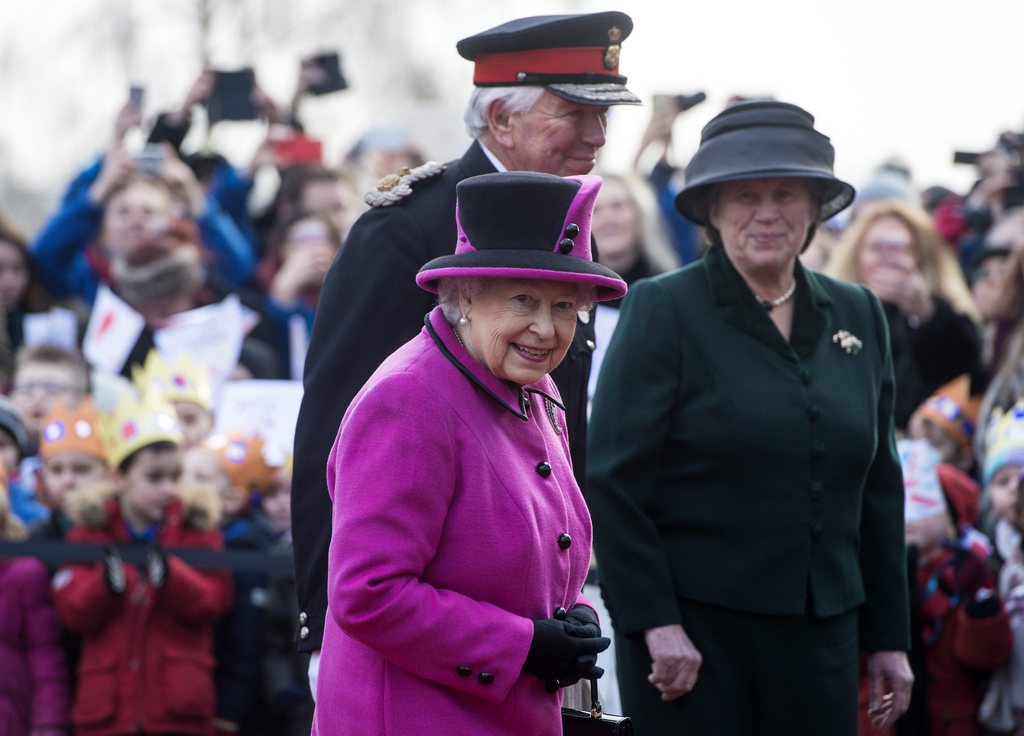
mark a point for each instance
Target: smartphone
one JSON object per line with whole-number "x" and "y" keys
{"x": 334, "y": 80}
{"x": 298, "y": 149}
{"x": 232, "y": 95}
{"x": 136, "y": 94}
{"x": 150, "y": 159}
{"x": 965, "y": 157}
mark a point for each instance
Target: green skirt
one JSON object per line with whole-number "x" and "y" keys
{"x": 763, "y": 675}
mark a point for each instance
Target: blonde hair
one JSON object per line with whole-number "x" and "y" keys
{"x": 938, "y": 266}
{"x": 655, "y": 241}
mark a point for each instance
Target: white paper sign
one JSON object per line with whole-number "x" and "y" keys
{"x": 270, "y": 408}
{"x": 210, "y": 336}
{"x": 57, "y": 327}
{"x": 922, "y": 493}
{"x": 113, "y": 329}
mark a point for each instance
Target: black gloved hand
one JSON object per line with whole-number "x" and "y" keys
{"x": 582, "y": 622}
{"x": 113, "y": 571}
{"x": 560, "y": 658}
{"x": 156, "y": 567}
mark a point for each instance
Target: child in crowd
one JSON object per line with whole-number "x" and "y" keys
{"x": 13, "y": 444}
{"x": 961, "y": 633}
{"x": 1003, "y": 707}
{"x": 285, "y": 670}
{"x": 187, "y": 386}
{"x": 146, "y": 664}
{"x": 34, "y": 689}
{"x": 73, "y": 458}
{"x": 235, "y": 467}
{"x": 947, "y": 420}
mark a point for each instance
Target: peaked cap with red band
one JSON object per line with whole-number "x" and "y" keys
{"x": 575, "y": 57}
{"x": 525, "y": 225}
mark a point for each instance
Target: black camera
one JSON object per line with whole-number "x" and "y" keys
{"x": 685, "y": 102}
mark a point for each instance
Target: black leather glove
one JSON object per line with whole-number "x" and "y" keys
{"x": 582, "y": 622}
{"x": 156, "y": 567}
{"x": 559, "y": 658}
{"x": 113, "y": 571}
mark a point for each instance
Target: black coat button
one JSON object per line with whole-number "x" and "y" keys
{"x": 805, "y": 376}
{"x": 560, "y": 613}
{"x": 544, "y": 469}
{"x": 816, "y": 489}
{"x": 572, "y": 230}
{"x": 814, "y": 412}
{"x": 565, "y": 245}
{"x": 815, "y": 531}
{"x": 817, "y": 449}
{"x": 564, "y": 541}
{"x": 486, "y": 678}
{"x": 464, "y": 669}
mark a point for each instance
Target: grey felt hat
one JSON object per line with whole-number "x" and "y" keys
{"x": 761, "y": 139}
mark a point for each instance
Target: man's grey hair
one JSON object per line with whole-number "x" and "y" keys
{"x": 514, "y": 99}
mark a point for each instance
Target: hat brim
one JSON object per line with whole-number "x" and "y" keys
{"x": 523, "y": 264}
{"x": 594, "y": 94}
{"x": 837, "y": 195}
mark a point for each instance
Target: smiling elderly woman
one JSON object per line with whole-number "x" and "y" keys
{"x": 461, "y": 540}
{"x": 745, "y": 490}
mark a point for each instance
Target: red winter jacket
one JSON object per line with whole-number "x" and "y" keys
{"x": 146, "y": 663}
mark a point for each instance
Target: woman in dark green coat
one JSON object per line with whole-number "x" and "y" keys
{"x": 743, "y": 479}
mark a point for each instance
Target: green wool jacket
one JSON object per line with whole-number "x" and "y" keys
{"x": 730, "y": 467}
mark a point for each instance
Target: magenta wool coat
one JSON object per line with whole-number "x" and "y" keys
{"x": 456, "y": 522}
{"x": 34, "y": 682}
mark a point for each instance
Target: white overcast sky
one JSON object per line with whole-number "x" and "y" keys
{"x": 916, "y": 79}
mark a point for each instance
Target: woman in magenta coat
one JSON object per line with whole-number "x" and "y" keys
{"x": 460, "y": 538}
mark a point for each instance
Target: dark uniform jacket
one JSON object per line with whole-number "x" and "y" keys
{"x": 730, "y": 467}
{"x": 369, "y": 306}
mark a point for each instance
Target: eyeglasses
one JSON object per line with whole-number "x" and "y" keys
{"x": 48, "y": 388}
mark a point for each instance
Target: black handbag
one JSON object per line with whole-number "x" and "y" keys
{"x": 596, "y": 721}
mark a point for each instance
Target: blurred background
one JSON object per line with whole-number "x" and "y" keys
{"x": 911, "y": 79}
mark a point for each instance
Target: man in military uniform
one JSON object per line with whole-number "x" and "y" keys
{"x": 543, "y": 87}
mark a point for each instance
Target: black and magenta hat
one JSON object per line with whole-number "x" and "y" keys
{"x": 525, "y": 225}
{"x": 575, "y": 57}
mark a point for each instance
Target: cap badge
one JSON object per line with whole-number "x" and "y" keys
{"x": 611, "y": 54}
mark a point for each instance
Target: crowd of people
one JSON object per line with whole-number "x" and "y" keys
{"x": 699, "y": 391}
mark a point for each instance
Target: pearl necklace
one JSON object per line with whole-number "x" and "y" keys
{"x": 770, "y": 305}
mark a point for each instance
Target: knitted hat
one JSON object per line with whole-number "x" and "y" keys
{"x": 138, "y": 423}
{"x": 761, "y": 139}
{"x": 10, "y": 421}
{"x": 1004, "y": 440}
{"x": 954, "y": 409}
{"x": 575, "y": 57}
{"x": 524, "y": 225}
{"x": 71, "y": 430}
{"x": 242, "y": 458}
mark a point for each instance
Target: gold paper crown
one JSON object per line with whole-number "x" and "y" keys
{"x": 242, "y": 458}
{"x": 182, "y": 381}
{"x": 138, "y": 423}
{"x": 71, "y": 430}
{"x": 1004, "y": 439}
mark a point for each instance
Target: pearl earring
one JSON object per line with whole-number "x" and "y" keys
{"x": 463, "y": 320}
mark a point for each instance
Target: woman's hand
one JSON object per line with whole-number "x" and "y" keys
{"x": 117, "y": 166}
{"x": 902, "y": 284}
{"x": 304, "y": 270}
{"x": 889, "y": 683}
{"x": 675, "y": 661}
{"x": 176, "y": 174}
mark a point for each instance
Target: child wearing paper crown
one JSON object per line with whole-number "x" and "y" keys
{"x": 947, "y": 420}
{"x": 234, "y": 465}
{"x": 187, "y": 386}
{"x": 73, "y": 458}
{"x": 34, "y": 687}
{"x": 960, "y": 632}
{"x": 1003, "y": 708}
{"x": 146, "y": 663}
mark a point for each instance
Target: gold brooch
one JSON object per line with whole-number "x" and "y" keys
{"x": 848, "y": 342}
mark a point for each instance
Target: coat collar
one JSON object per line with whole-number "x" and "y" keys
{"x": 810, "y": 313}
{"x": 512, "y": 397}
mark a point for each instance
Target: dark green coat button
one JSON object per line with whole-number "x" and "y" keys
{"x": 464, "y": 669}
{"x": 564, "y": 541}
{"x": 544, "y": 469}
{"x": 486, "y": 678}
